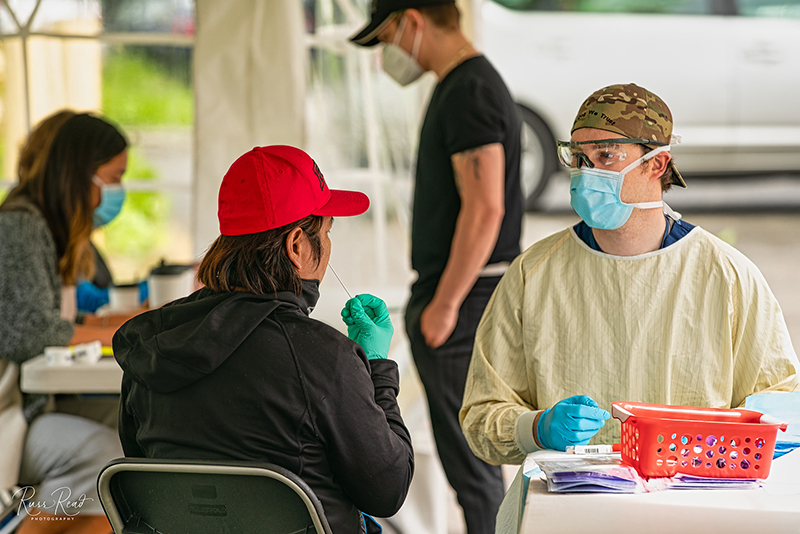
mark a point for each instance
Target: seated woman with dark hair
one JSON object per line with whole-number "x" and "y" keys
{"x": 239, "y": 371}
{"x": 67, "y": 167}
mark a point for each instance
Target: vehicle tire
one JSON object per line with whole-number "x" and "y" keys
{"x": 539, "y": 160}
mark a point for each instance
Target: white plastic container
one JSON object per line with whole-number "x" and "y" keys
{"x": 169, "y": 282}
{"x": 123, "y": 297}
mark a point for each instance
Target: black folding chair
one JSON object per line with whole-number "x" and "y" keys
{"x": 149, "y": 496}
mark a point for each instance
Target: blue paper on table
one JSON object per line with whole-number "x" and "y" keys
{"x": 783, "y": 406}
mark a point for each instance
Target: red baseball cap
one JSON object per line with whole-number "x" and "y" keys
{"x": 272, "y": 186}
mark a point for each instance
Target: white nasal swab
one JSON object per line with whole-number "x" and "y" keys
{"x": 339, "y": 279}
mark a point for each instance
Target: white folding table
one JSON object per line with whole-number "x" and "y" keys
{"x": 36, "y": 376}
{"x": 774, "y": 508}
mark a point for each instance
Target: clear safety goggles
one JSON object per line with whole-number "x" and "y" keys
{"x": 601, "y": 153}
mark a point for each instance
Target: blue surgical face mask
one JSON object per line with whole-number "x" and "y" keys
{"x": 595, "y": 195}
{"x": 111, "y": 200}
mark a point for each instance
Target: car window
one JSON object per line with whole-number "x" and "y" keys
{"x": 656, "y": 7}
{"x": 772, "y": 9}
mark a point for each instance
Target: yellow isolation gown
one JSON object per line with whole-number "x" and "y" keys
{"x": 692, "y": 324}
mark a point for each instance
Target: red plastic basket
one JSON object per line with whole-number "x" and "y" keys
{"x": 660, "y": 440}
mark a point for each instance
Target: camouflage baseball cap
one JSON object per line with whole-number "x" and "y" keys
{"x": 631, "y": 111}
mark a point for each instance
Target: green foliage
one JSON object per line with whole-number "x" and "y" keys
{"x": 655, "y": 7}
{"x": 139, "y": 228}
{"x": 139, "y": 169}
{"x": 141, "y": 225}
{"x": 141, "y": 90}
{"x": 138, "y": 91}
{"x": 2, "y": 153}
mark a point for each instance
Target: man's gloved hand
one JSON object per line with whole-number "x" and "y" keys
{"x": 572, "y": 421}
{"x": 368, "y": 324}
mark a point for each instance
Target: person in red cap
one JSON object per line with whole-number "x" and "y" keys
{"x": 239, "y": 371}
{"x": 467, "y": 218}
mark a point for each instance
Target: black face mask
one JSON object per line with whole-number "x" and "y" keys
{"x": 310, "y": 293}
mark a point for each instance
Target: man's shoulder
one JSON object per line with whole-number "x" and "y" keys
{"x": 726, "y": 256}
{"x": 473, "y": 76}
{"x": 478, "y": 67}
{"x": 531, "y": 257}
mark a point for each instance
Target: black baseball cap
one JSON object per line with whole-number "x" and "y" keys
{"x": 381, "y": 14}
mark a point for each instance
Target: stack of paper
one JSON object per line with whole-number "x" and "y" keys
{"x": 602, "y": 473}
{"x": 702, "y": 483}
{"x": 591, "y": 482}
{"x": 605, "y": 473}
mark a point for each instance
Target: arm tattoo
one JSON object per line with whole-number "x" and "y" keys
{"x": 476, "y": 166}
{"x": 473, "y": 157}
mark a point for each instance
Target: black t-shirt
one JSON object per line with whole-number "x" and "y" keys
{"x": 470, "y": 108}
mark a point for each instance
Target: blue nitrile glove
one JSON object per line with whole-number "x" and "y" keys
{"x": 89, "y": 297}
{"x": 368, "y": 324}
{"x": 144, "y": 291}
{"x": 572, "y": 421}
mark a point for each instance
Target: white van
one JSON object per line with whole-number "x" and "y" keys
{"x": 728, "y": 69}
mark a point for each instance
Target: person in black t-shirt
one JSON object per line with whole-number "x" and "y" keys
{"x": 466, "y": 222}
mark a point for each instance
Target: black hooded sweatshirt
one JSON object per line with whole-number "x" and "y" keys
{"x": 237, "y": 376}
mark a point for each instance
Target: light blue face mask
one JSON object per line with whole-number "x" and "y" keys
{"x": 595, "y": 195}
{"x": 111, "y": 200}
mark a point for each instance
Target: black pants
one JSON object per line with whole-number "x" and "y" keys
{"x": 478, "y": 485}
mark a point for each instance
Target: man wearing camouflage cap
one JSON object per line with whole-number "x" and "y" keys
{"x": 629, "y": 304}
